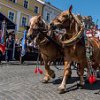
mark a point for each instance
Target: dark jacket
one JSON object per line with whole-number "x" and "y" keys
{"x": 9, "y": 44}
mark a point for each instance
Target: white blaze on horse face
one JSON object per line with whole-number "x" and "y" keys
{"x": 33, "y": 23}
{"x": 63, "y": 17}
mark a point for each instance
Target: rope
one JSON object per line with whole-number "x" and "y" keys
{"x": 37, "y": 69}
{"x": 37, "y": 64}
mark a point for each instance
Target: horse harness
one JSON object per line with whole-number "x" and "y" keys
{"x": 48, "y": 38}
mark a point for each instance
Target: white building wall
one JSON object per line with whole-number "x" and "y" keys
{"x": 53, "y": 11}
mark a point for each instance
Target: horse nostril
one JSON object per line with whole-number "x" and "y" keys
{"x": 52, "y": 26}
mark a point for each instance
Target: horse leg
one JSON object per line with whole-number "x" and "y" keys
{"x": 49, "y": 73}
{"x": 80, "y": 72}
{"x": 62, "y": 87}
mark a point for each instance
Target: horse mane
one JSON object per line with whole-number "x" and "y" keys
{"x": 77, "y": 19}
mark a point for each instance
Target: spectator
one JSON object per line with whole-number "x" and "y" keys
{"x": 9, "y": 48}
{"x": 97, "y": 35}
{"x": 89, "y": 33}
{"x": 0, "y": 56}
{"x": 0, "y": 36}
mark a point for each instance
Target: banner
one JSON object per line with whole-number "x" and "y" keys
{"x": 2, "y": 37}
{"x": 24, "y": 45}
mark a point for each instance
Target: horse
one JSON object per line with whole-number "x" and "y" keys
{"x": 95, "y": 44}
{"x": 48, "y": 48}
{"x": 74, "y": 44}
{"x": 39, "y": 33}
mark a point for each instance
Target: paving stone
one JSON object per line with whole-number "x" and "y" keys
{"x": 19, "y": 82}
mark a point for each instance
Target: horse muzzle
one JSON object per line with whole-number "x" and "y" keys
{"x": 52, "y": 26}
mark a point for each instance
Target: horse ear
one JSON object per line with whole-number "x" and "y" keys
{"x": 39, "y": 16}
{"x": 70, "y": 8}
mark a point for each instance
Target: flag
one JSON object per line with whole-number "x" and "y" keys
{"x": 2, "y": 48}
{"x": 2, "y": 41}
{"x": 24, "y": 45}
{"x": 96, "y": 26}
{"x": 2, "y": 36}
{"x": 97, "y": 21}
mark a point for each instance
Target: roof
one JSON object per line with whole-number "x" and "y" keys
{"x": 40, "y": 1}
{"x": 10, "y": 24}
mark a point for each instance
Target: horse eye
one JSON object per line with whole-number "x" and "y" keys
{"x": 40, "y": 23}
{"x": 66, "y": 16}
{"x": 29, "y": 23}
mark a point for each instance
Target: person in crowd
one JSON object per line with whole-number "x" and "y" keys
{"x": 89, "y": 33}
{"x": 0, "y": 36}
{"x": 17, "y": 42}
{"x": 97, "y": 35}
{"x": 0, "y": 56}
{"x": 9, "y": 48}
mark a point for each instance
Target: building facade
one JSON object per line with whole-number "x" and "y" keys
{"x": 50, "y": 12}
{"x": 20, "y": 11}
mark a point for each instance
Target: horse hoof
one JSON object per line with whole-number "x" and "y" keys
{"x": 61, "y": 91}
{"x": 79, "y": 86}
{"x": 53, "y": 76}
{"x": 44, "y": 81}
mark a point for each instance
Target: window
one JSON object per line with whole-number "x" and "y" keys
{"x": 11, "y": 15}
{"x": 36, "y": 10}
{"x": 48, "y": 17}
{"x": 24, "y": 21}
{"x": 14, "y": 1}
{"x": 25, "y": 3}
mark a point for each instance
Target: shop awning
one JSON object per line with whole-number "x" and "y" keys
{"x": 10, "y": 24}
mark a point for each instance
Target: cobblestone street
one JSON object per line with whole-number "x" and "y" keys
{"x": 19, "y": 82}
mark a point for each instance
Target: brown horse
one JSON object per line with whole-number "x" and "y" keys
{"x": 49, "y": 50}
{"x": 95, "y": 44}
{"x": 74, "y": 44}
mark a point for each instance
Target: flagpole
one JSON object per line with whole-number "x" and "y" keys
{"x": 97, "y": 21}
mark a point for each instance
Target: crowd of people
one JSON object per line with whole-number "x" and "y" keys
{"x": 9, "y": 45}
{"x": 93, "y": 31}
{"x": 10, "y": 40}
